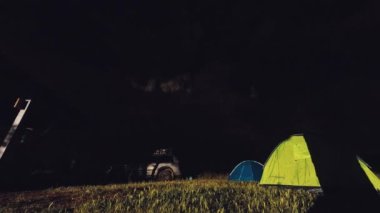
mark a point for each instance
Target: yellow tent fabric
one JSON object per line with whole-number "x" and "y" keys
{"x": 371, "y": 176}
{"x": 290, "y": 164}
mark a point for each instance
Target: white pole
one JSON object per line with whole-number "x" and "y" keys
{"x": 14, "y": 126}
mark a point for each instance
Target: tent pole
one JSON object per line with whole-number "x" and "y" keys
{"x": 14, "y": 126}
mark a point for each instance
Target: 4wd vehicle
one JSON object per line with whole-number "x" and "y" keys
{"x": 162, "y": 165}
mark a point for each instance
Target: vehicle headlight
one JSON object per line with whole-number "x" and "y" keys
{"x": 151, "y": 166}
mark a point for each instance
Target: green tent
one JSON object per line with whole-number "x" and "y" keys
{"x": 290, "y": 164}
{"x": 371, "y": 176}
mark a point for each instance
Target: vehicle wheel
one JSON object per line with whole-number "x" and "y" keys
{"x": 165, "y": 175}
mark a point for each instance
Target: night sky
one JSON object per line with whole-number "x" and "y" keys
{"x": 218, "y": 81}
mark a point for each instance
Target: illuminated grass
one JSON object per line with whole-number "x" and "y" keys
{"x": 176, "y": 196}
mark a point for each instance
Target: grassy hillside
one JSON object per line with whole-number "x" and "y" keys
{"x": 178, "y": 196}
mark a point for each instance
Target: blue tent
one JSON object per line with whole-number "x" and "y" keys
{"x": 248, "y": 170}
